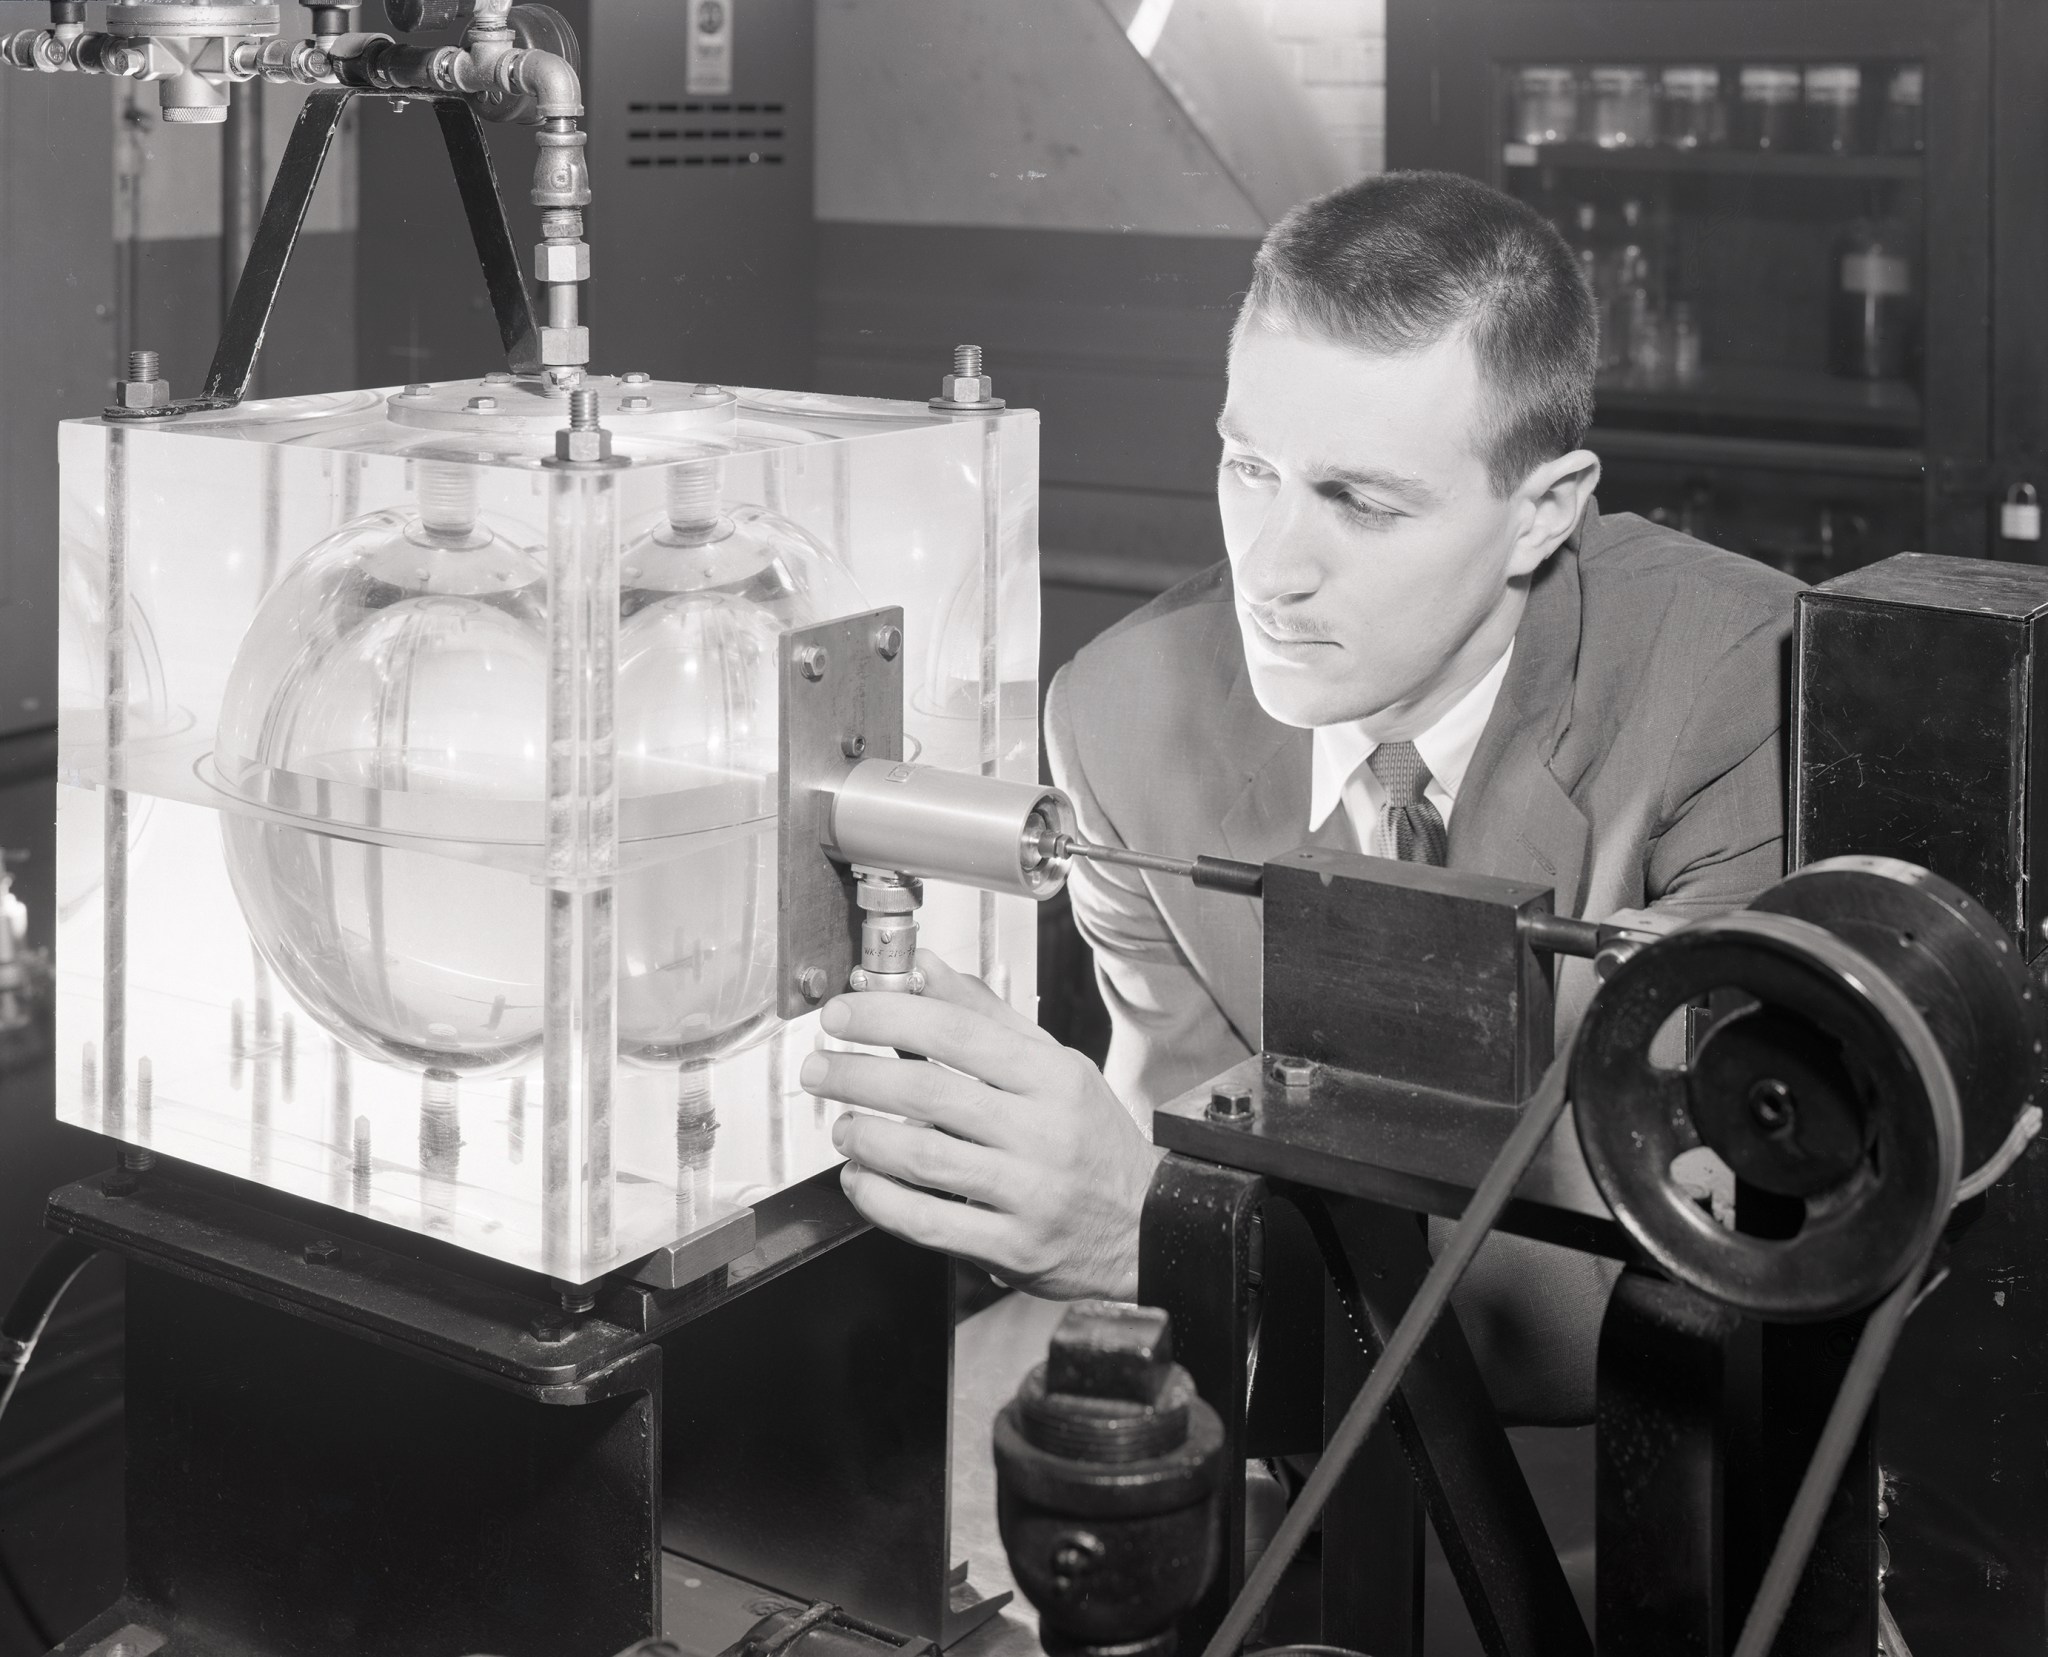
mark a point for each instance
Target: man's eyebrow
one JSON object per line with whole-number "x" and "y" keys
{"x": 1410, "y": 489}
{"x": 1230, "y": 431}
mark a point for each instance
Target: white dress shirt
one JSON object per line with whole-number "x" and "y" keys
{"x": 1338, "y": 773}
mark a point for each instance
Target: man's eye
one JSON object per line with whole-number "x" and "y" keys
{"x": 1365, "y": 512}
{"x": 1247, "y": 471}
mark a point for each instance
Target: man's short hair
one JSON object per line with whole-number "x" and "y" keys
{"x": 1397, "y": 262}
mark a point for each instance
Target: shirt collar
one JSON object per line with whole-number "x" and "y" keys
{"x": 1446, "y": 747}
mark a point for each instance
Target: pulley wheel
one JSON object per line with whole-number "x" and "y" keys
{"x": 411, "y": 16}
{"x": 1822, "y": 1084}
{"x": 1955, "y": 963}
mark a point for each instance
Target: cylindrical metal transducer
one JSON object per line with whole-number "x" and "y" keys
{"x": 951, "y": 825}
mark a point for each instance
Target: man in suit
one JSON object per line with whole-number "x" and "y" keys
{"x": 1428, "y": 644}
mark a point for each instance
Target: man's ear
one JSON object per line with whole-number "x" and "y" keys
{"x": 1550, "y": 502}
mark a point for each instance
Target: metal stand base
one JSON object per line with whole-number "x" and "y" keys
{"x": 342, "y": 1438}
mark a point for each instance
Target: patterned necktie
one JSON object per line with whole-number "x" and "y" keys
{"x": 1407, "y": 820}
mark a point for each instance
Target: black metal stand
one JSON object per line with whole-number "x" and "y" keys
{"x": 343, "y": 1438}
{"x": 284, "y": 216}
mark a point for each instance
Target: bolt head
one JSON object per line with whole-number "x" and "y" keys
{"x": 1230, "y": 1104}
{"x": 811, "y": 661}
{"x": 888, "y": 643}
{"x": 418, "y": 388}
{"x": 1107, "y": 1349}
{"x": 636, "y": 405}
{"x": 637, "y": 377}
{"x": 498, "y": 376}
{"x": 857, "y": 980}
{"x": 482, "y": 405}
{"x": 552, "y": 1328}
{"x": 583, "y": 447}
{"x": 564, "y": 347}
{"x": 320, "y": 1252}
{"x": 1292, "y": 1072}
{"x": 853, "y": 746}
{"x": 813, "y": 983}
{"x": 561, "y": 262}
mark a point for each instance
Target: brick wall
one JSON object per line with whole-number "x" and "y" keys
{"x": 1337, "y": 49}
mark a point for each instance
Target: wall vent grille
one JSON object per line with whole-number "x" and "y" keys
{"x": 705, "y": 134}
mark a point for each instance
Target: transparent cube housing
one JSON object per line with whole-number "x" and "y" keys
{"x": 417, "y": 824}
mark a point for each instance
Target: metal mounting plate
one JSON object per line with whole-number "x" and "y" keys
{"x": 852, "y": 708}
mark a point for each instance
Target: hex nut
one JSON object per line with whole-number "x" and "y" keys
{"x": 320, "y": 1252}
{"x": 1230, "y": 1104}
{"x": 811, "y": 661}
{"x": 638, "y": 376}
{"x": 482, "y": 405}
{"x": 965, "y": 388}
{"x": 1292, "y": 1072}
{"x": 142, "y": 394}
{"x": 813, "y": 983}
{"x": 888, "y": 642}
{"x": 583, "y": 447}
{"x": 636, "y": 405}
{"x": 564, "y": 347}
{"x": 561, "y": 262}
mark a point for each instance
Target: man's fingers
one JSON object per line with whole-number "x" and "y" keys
{"x": 951, "y": 1227}
{"x": 929, "y": 1092}
{"x": 963, "y": 989}
{"x": 920, "y": 1156}
{"x": 995, "y": 1051}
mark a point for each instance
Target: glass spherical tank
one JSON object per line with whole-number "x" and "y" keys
{"x": 705, "y": 594}
{"x": 393, "y": 684}
{"x": 391, "y": 698}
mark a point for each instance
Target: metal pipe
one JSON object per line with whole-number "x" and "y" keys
{"x": 241, "y": 187}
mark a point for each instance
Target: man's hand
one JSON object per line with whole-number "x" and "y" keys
{"x": 1051, "y": 1165}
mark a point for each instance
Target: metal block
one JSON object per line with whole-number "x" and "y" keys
{"x": 1405, "y": 971}
{"x": 842, "y": 695}
{"x": 1922, "y": 725}
{"x": 699, "y": 1254}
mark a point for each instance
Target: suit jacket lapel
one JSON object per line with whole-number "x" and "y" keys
{"x": 1514, "y": 817}
{"x": 1265, "y": 813}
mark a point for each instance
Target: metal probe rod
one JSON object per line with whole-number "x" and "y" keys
{"x": 1216, "y": 874}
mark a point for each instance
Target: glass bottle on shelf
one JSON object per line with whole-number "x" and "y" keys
{"x": 1597, "y": 262}
{"x": 1623, "y": 108}
{"x": 1904, "y": 130}
{"x": 1767, "y": 110}
{"x": 1873, "y": 312}
{"x": 1637, "y": 285}
{"x": 1692, "y": 116}
{"x": 1834, "y": 94}
{"x": 1546, "y": 104}
{"x": 1685, "y": 344}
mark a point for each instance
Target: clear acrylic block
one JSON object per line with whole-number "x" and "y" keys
{"x": 417, "y": 837}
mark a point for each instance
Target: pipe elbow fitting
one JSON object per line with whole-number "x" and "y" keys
{"x": 551, "y": 81}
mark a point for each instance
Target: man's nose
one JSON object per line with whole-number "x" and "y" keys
{"x": 1280, "y": 563}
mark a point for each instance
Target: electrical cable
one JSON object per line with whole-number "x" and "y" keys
{"x": 1538, "y": 1117}
{"x": 34, "y": 1302}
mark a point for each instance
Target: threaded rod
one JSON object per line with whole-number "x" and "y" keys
{"x": 966, "y": 359}
{"x": 583, "y": 411}
{"x": 144, "y": 365}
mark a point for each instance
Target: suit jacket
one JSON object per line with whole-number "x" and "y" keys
{"x": 1632, "y": 760}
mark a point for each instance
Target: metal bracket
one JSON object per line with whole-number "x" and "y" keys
{"x": 701, "y": 1253}
{"x": 284, "y": 216}
{"x": 842, "y": 700}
